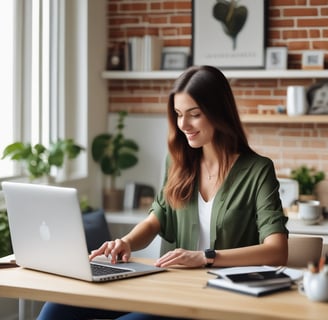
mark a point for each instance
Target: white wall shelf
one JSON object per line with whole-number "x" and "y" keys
{"x": 230, "y": 74}
{"x": 239, "y": 74}
{"x": 141, "y": 75}
{"x": 283, "y": 118}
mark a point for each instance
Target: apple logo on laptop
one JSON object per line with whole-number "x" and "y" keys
{"x": 44, "y": 231}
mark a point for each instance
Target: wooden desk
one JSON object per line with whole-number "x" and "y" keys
{"x": 177, "y": 292}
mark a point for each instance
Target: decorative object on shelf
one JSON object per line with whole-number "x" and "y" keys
{"x": 174, "y": 61}
{"x": 317, "y": 98}
{"x": 276, "y": 58}
{"x": 38, "y": 159}
{"x": 116, "y": 56}
{"x": 310, "y": 212}
{"x": 307, "y": 179}
{"x": 182, "y": 59}
{"x": 313, "y": 60}
{"x": 288, "y": 191}
{"x": 223, "y": 33}
{"x": 270, "y": 109}
{"x": 138, "y": 196}
{"x": 114, "y": 153}
{"x": 296, "y": 101}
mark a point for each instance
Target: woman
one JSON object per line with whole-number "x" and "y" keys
{"x": 219, "y": 204}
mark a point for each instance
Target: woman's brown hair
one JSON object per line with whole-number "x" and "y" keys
{"x": 212, "y": 92}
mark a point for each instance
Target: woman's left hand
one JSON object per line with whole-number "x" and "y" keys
{"x": 182, "y": 257}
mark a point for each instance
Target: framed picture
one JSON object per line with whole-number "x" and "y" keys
{"x": 229, "y": 34}
{"x": 174, "y": 60}
{"x": 313, "y": 60}
{"x": 276, "y": 58}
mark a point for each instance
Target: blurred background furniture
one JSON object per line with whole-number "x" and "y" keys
{"x": 96, "y": 229}
{"x": 303, "y": 249}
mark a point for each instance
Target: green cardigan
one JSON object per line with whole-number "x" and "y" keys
{"x": 246, "y": 209}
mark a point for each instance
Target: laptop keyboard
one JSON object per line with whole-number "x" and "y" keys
{"x": 100, "y": 270}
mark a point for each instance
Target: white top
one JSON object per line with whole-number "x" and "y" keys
{"x": 204, "y": 213}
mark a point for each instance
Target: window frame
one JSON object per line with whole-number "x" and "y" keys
{"x": 78, "y": 92}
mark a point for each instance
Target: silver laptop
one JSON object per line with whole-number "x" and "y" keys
{"x": 47, "y": 234}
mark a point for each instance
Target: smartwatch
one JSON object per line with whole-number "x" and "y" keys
{"x": 210, "y": 255}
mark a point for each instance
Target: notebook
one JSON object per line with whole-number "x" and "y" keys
{"x": 47, "y": 234}
{"x": 253, "y": 280}
{"x": 242, "y": 288}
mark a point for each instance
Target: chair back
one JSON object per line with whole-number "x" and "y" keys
{"x": 96, "y": 229}
{"x": 303, "y": 249}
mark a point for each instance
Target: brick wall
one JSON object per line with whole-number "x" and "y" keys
{"x": 298, "y": 24}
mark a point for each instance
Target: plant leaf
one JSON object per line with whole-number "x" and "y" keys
{"x": 99, "y": 146}
{"x": 127, "y": 160}
{"x": 108, "y": 166}
{"x": 15, "y": 150}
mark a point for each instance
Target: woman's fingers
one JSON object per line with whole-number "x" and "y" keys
{"x": 115, "y": 249}
{"x": 183, "y": 257}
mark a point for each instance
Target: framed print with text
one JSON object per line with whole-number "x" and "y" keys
{"x": 174, "y": 61}
{"x": 276, "y": 58}
{"x": 313, "y": 60}
{"x": 229, "y": 34}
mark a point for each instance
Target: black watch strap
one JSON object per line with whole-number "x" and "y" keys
{"x": 210, "y": 255}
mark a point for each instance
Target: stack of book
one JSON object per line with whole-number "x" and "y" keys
{"x": 144, "y": 53}
{"x": 251, "y": 280}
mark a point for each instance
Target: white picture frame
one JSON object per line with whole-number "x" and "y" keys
{"x": 313, "y": 60}
{"x": 174, "y": 61}
{"x": 276, "y": 58}
{"x": 227, "y": 45}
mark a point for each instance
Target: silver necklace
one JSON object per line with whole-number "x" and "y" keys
{"x": 209, "y": 175}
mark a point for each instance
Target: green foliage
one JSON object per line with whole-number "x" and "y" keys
{"x": 85, "y": 206}
{"x": 307, "y": 179}
{"x": 38, "y": 159}
{"x": 113, "y": 152}
{"x": 5, "y": 240}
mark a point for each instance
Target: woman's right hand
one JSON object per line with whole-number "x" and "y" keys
{"x": 117, "y": 250}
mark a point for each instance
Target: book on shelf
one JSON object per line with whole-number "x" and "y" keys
{"x": 144, "y": 53}
{"x": 251, "y": 280}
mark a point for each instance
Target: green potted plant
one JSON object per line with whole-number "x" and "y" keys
{"x": 38, "y": 160}
{"x": 5, "y": 240}
{"x": 114, "y": 153}
{"x": 307, "y": 179}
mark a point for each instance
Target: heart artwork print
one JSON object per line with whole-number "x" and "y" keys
{"x": 232, "y": 17}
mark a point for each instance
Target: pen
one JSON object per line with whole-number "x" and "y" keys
{"x": 313, "y": 267}
{"x": 321, "y": 263}
{"x": 280, "y": 269}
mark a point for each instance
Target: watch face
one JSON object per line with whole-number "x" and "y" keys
{"x": 210, "y": 253}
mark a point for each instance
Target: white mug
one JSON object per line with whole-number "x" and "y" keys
{"x": 309, "y": 211}
{"x": 296, "y": 100}
{"x": 316, "y": 286}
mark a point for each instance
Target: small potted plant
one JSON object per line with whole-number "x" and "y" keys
{"x": 114, "y": 153}
{"x": 5, "y": 240}
{"x": 38, "y": 160}
{"x": 307, "y": 179}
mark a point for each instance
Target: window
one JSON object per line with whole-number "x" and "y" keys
{"x": 67, "y": 43}
{"x": 35, "y": 64}
{"x": 7, "y": 82}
